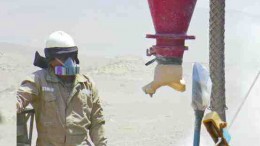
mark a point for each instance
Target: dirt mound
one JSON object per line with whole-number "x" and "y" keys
{"x": 121, "y": 66}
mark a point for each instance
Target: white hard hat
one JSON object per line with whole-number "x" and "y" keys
{"x": 59, "y": 39}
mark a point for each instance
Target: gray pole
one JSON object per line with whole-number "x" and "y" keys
{"x": 217, "y": 56}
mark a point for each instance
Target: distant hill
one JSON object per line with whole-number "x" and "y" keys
{"x": 15, "y": 48}
{"x": 121, "y": 36}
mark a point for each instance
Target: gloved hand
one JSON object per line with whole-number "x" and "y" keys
{"x": 166, "y": 75}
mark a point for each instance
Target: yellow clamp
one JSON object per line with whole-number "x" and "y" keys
{"x": 214, "y": 126}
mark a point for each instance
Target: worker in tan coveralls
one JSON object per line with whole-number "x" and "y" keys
{"x": 67, "y": 107}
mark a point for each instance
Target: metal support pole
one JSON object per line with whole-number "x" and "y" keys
{"x": 217, "y": 56}
{"x": 24, "y": 135}
{"x": 198, "y": 115}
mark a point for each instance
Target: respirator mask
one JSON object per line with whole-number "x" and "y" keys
{"x": 68, "y": 68}
{"x": 67, "y": 58}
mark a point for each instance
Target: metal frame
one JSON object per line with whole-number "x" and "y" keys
{"x": 23, "y": 118}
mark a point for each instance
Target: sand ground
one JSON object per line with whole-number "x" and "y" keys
{"x": 133, "y": 118}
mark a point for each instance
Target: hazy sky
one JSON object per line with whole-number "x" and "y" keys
{"x": 116, "y": 27}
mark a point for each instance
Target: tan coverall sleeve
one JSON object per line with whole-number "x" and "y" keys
{"x": 97, "y": 131}
{"x": 27, "y": 92}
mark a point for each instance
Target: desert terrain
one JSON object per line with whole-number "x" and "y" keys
{"x": 111, "y": 40}
{"x": 133, "y": 118}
